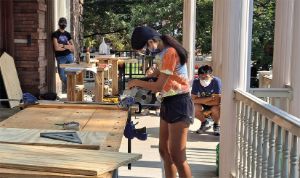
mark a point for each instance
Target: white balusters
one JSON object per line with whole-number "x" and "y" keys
{"x": 243, "y": 118}
{"x": 238, "y": 138}
{"x": 294, "y": 158}
{"x": 245, "y": 141}
{"x": 267, "y": 140}
{"x": 254, "y": 144}
{"x": 285, "y": 156}
{"x": 265, "y": 149}
{"x": 278, "y": 152}
{"x": 271, "y": 151}
{"x": 249, "y": 142}
{"x": 259, "y": 146}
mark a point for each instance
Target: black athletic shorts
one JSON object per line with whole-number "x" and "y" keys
{"x": 206, "y": 107}
{"x": 177, "y": 108}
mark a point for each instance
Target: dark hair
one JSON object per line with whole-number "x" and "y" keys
{"x": 206, "y": 69}
{"x": 170, "y": 41}
{"x": 62, "y": 21}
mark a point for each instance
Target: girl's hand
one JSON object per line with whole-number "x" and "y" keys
{"x": 133, "y": 83}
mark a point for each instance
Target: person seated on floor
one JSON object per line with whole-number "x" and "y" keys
{"x": 206, "y": 95}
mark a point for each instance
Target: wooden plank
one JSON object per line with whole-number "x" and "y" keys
{"x": 82, "y": 65}
{"x": 111, "y": 122}
{"x": 77, "y": 106}
{"x": 63, "y": 160}
{"x": 46, "y": 118}
{"x": 10, "y": 79}
{"x": 90, "y": 140}
{"x": 17, "y": 173}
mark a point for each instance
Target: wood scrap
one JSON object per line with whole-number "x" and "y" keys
{"x": 10, "y": 79}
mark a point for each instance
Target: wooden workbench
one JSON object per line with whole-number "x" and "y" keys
{"x": 102, "y": 118}
{"x": 113, "y": 72}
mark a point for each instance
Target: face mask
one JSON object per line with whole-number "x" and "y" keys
{"x": 63, "y": 26}
{"x": 205, "y": 83}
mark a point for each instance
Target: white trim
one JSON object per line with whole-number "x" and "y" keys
{"x": 295, "y": 62}
{"x": 189, "y": 33}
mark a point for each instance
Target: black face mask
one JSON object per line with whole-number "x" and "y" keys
{"x": 62, "y": 26}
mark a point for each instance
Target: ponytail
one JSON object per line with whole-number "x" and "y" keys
{"x": 170, "y": 41}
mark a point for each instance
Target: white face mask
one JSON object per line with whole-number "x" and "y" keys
{"x": 205, "y": 83}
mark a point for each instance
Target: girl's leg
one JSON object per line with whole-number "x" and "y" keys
{"x": 177, "y": 144}
{"x": 169, "y": 166}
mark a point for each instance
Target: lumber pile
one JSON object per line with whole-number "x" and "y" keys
{"x": 24, "y": 154}
{"x": 62, "y": 160}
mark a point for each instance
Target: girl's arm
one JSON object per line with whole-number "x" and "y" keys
{"x": 153, "y": 86}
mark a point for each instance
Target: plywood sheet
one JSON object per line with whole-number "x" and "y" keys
{"x": 62, "y": 160}
{"x": 90, "y": 140}
{"x": 10, "y": 79}
{"x": 79, "y": 105}
{"x": 46, "y": 118}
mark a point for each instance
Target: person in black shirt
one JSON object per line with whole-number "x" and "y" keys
{"x": 63, "y": 46}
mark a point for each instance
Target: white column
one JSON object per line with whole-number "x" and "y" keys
{"x": 62, "y": 9}
{"x": 246, "y": 40}
{"x": 189, "y": 33}
{"x": 217, "y": 39}
{"x": 235, "y": 56}
{"x": 295, "y": 62}
{"x": 282, "y": 43}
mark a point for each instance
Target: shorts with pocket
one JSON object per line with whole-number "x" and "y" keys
{"x": 177, "y": 108}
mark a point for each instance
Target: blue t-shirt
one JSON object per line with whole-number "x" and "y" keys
{"x": 213, "y": 88}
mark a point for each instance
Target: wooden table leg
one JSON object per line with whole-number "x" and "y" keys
{"x": 114, "y": 76}
{"x": 99, "y": 84}
{"x": 71, "y": 82}
{"x": 79, "y": 81}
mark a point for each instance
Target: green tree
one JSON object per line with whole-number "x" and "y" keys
{"x": 263, "y": 34}
{"x": 262, "y": 37}
{"x": 117, "y": 18}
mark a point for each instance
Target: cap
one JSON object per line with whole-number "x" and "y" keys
{"x": 62, "y": 21}
{"x": 141, "y": 35}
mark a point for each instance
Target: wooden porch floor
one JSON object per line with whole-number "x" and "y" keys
{"x": 201, "y": 152}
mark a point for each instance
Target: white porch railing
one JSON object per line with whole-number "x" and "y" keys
{"x": 279, "y": 97}
{"x": 267, "y": 139}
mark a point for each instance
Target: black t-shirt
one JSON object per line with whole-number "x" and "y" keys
{"x": 62, "y": 38}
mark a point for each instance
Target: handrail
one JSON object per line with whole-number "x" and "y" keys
{"x": 272, "y": 92}
{"x": 276, "y": 115}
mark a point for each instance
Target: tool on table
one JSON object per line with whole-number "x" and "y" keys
{"x": 64, "y": 136}
{"x": 143, "y": 98}
{"x": 70, "y": 125}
